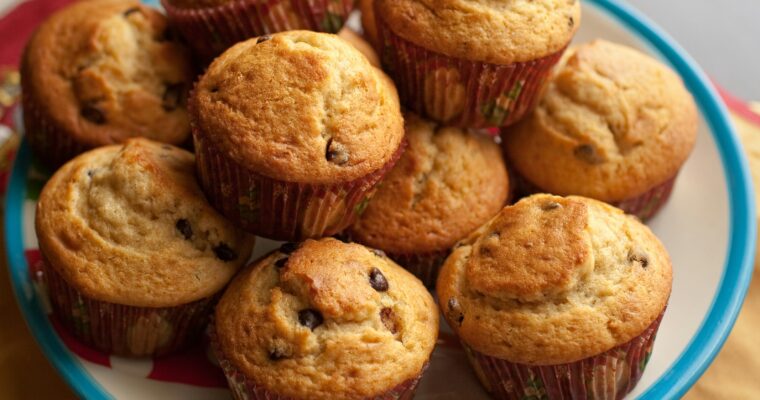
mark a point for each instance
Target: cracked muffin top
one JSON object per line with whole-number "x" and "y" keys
{"x": 447, "y": 183}
{"x": 327, "y": 320}
{"x": 613, "y": 124}
{"x": 570, "y": 278}
{"x": 492, "y": 31}
{"x": 128, "y": 224}
{"x": 107, "y": 70}
{"x": 299, "y": 106}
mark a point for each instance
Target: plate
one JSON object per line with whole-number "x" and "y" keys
{"x": 708, "y": 226}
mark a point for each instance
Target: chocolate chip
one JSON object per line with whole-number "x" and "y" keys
{"x": 455, "y": 311}
{"x": 281, "y": 262}
{"x": 90, "y": 173}
{"x": 571, "y": 22}
{"x": 336, "y": 153}
{"x": 172, "y": 97}
{"x": 131, "y": 11}
{"x": 263, "y": 39}
{"x": 277, "y": 354}
{"x": 638, "y": 255}
{"x": 310, "y": 318}
{"x": 224, "y": 252}
{"x": 550, "y": 205}
{"x": 377, "y": 280}
{"x": 587, "y": 153}
{"x": 389, "y": 319}
{"x": 379, "y": 253}
{"x": 183, "y": 226}
{"x": 93, "y": 113}
{"x": 288, "y": 247}
{"x": 214, "y": 89}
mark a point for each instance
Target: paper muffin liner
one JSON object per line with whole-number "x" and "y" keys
{"x": 424, "y": 266}
{"x": 609, "y": 375}
{"x": 50, "y": 142}
{"x": 278, "y": 209}
{"x": 461, "y": 92}
{"x": 244, "y": 388}
{"x": 125, "y": 330}
{"x": 211, "y": 30}
{"x": 644, "y": 206}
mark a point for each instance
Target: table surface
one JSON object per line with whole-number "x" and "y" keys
{"x": 723, "y": 36}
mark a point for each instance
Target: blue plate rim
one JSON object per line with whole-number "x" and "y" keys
{"x": 677, "y": 379}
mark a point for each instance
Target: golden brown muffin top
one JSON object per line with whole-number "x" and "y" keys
{"x": 299, "y": 106}
{"x": 553, "y": 280}
{"x": 447, "y": 183}
{"x": 105, "y": 71}
{"x": 327, "y": 320}
{"x": 613, "y": 124}
{"x": 128, "y": 224}
{"x": 493, "y": 31}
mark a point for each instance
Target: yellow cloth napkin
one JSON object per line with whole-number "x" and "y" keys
{"x": 26, "y": 374}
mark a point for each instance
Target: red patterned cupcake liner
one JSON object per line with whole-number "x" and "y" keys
{"x": 125, "y": 330}
{"x": 609, "y": 375}
{"x": 644, "y": 206}
{"x": 424, "y": 266}
{"x": 211, "y": 30}
{"x": 460, "y": 92}
{"x": 277, "y": 209}
{"x": 51, "y": 143}
{"x": 244, "y": 388}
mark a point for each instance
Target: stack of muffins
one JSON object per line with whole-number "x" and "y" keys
{"x": 299, "y": 137}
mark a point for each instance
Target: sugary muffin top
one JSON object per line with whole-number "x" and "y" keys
{"x": 107, "y": 70}
{"x": 299, "y": 106}
{"x": 327, "y": 320}
{"x": 128, "y": 224}
{"x": 553, "y": 280}
{"x": 613, "y": 124}
{"x": 448, "y": 182}
{"x": 493, "y": 31}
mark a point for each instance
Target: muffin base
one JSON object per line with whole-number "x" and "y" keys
{"x": 243, "y": 388}
{"x": 609, "y": 375}
{"x": 125, "y": 330}
{"x": 51, "y": 144}
{"x": 461, "y": 92}
{"x": 212, "y": 30}
{"x": 644, "y": 206}
{"x": 277, "y": 209}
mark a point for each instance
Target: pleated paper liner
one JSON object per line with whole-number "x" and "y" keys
{"x": 644, "y": 206}
{"x": 211, "y": 30}
{"x": 277, "y": 209}
{"x": 460, "y": 92}
{"x": 125, "y": 330}
{"x": 607, "y": 376}
{"x": 244, "y": 388}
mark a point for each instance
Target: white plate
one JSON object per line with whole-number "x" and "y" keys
{"x": 708, "y": 227}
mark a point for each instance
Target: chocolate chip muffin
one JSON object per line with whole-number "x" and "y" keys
{"x": 447, "y": 184}
{"x": 134, "y": 255}
{"x": 100, "y": 72}
{"x": 473, "y": 63}
{"x": 212, "y": 26}
{"x": 557, "y": 296}
{"x": 325, "y": 320}
{"x": 614, "y": 125}
{"x": 293, "y": 131}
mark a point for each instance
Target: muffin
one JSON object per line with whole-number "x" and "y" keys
{"x": 212, "y": 26}
{"x": 324, "y": 320}
{"x": 557, "y": 297}
{"x": 292, "y": 132}
{"x": 473, "y": 63}
{"x": 360, "y": 44}
{"x": 99, "y": 72}
{"x": 134, "y": 257}
{"x": 614, "y": 125}
{"x": 448, "y": 183}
